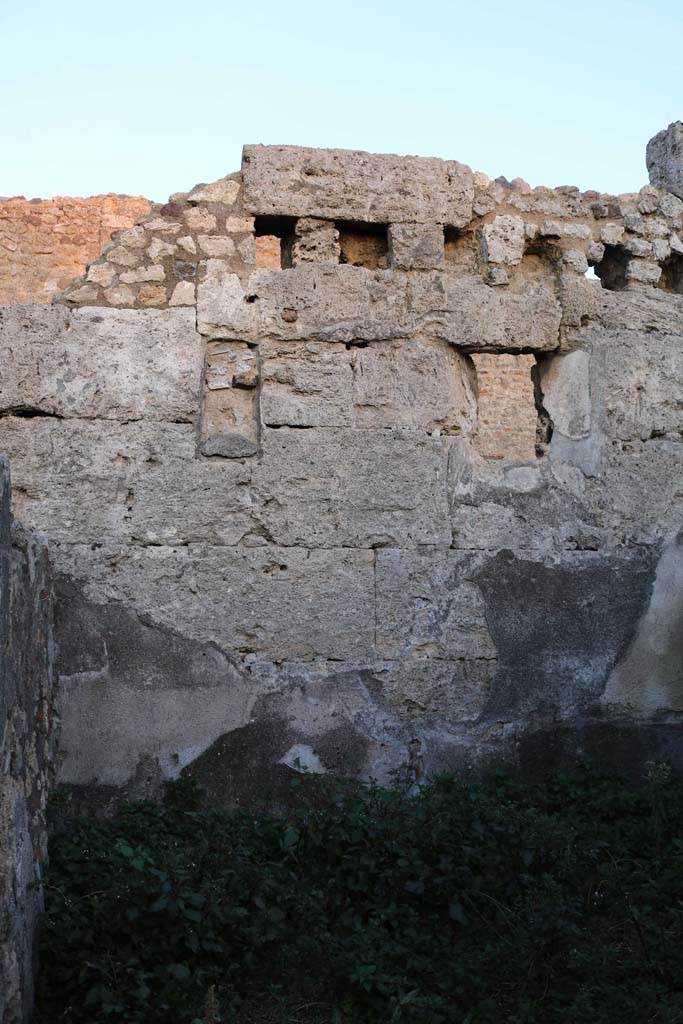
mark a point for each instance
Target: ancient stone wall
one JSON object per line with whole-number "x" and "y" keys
{"x": 292, "y": 533}
{"x": 27, "y": 732}
{"x": 44, "y": 243}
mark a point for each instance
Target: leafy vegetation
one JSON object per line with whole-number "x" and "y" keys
{"x": 468, "y": 904}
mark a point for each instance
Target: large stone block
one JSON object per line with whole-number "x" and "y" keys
{"x": 306, "y": 384}
{"x": 138, "y": 483}
{"x": 664, "y": 159}
{"x": 275, "y": 603}
{"x": 642, "y": 384}
{"x": 426, "y": 385}
{"x": 339, "y": 184}
{"x": 352, "y": 488}
{"x": 124, "y": 364}
{"x": 322, "y": 302}
{"x": 430, "y": 606}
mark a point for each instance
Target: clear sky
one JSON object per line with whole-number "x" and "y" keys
{"x": 149, "y": 98}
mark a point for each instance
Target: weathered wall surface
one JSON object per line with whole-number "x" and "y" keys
{"x": 27, "y": 728}
{"x": 44, "y": 243}
{"x": 291, "y": 533}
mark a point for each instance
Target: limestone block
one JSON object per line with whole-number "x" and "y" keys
{"x": 643, "y": 272}
{"x": 416, "y": 246}
{"x": 429, "y": 606}
{"x": 565, "y": 384}
{"x": 502, "y": 241}
{"x": 84, "y": 481}
{"x": 315, "y": 241}
{"x": 223, "y": 191}
{"x": 279, "y": 603}
{"x": 349, "y": 185}
{"x": 183, "y": 294}
{"x": 642, "y": 379}
{"x": 97, "y": 362}
{"x": 444, "y": 690}
{"x": 362, "y": 488}
{"x": 216, "y": 245}
{"x": 320, "y": 302}
{"x": 155, "y": 272}
{"x": 664, "y": 158}
{"x": 100, "y": 273}
{"x": 120, "y": 295}
{"x": 306, "y": 384}
{"x": 230, "y": 364}
{"x": 426, "y": 385}
{"x": 229, "y": 424}
{"x": 199, "y": 219}
{"x": 612, "y": 234}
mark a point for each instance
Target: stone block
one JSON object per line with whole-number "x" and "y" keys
{"x": 86, "y": 481}
{"x": 100, "y": 363}
{"x": 315, "y": 241}
{"x": 320, "y": 302}
{"x": 565, "y": 384}
{"x": 306, "y": 384}
{"x": 354, "y": 488}
{"x": 280, "y": 603}
{"x": 503, "y": 240}
{"x": 429, "y": 606}
{"x": 419, "y": 384}
{"x": 339, "y": 184}
{"x": 416, "y": 246}
{"x": 664, "y": 158}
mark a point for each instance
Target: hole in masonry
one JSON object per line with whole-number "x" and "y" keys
{"x": 363, "y": 245}
{"x": 507, "y": 415}
{"x": 672, "y": 274}
{"x": 544, "y": 424}
{"x": 459, "y": 250}
{"x": 274, "y": 240}
{"x": 612, "y": 268}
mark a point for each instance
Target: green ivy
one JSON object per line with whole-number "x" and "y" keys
{"x": 467, "y": 904}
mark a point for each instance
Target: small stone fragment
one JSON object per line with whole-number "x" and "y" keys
{"x": 152, "y": 295}
{"x": 133, "y": 238}
{"x": 503, "y": 240}
{"x": 216, "y": 245}
{"x": 183, "y": 294}
{"x": 153, "y": 273}
{"x": 224, "y": 191}
{"x": 101, "y": 273}
{"x": 120, "y": 295}
{"x": 199, "y": 219}
{"x": 122, "y": 257}
{"x": 158, "y": 249}
{"x": 643, "y": 271}
{"x": 187, "y": 243}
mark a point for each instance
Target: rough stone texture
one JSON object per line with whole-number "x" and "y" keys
{"x": 665, "y": 159}
{"x": 339, "y": 184}
{"x": 44, "y": 243}
{"x": 27, "y": 726}
{"x": 407, "y": 490}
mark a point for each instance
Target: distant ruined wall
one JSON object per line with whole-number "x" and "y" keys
{"x": 344, "y": 476}
{"x": 44, "y": 243}
{"x": 27, "y": 734}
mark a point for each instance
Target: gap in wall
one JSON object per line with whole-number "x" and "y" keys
{"x": 363, "y": 245}
{"x": 507, "y": 419}
{"x": 274, "y": 242}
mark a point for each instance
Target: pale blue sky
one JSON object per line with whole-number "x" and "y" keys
{"x": 149, "y": 97}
